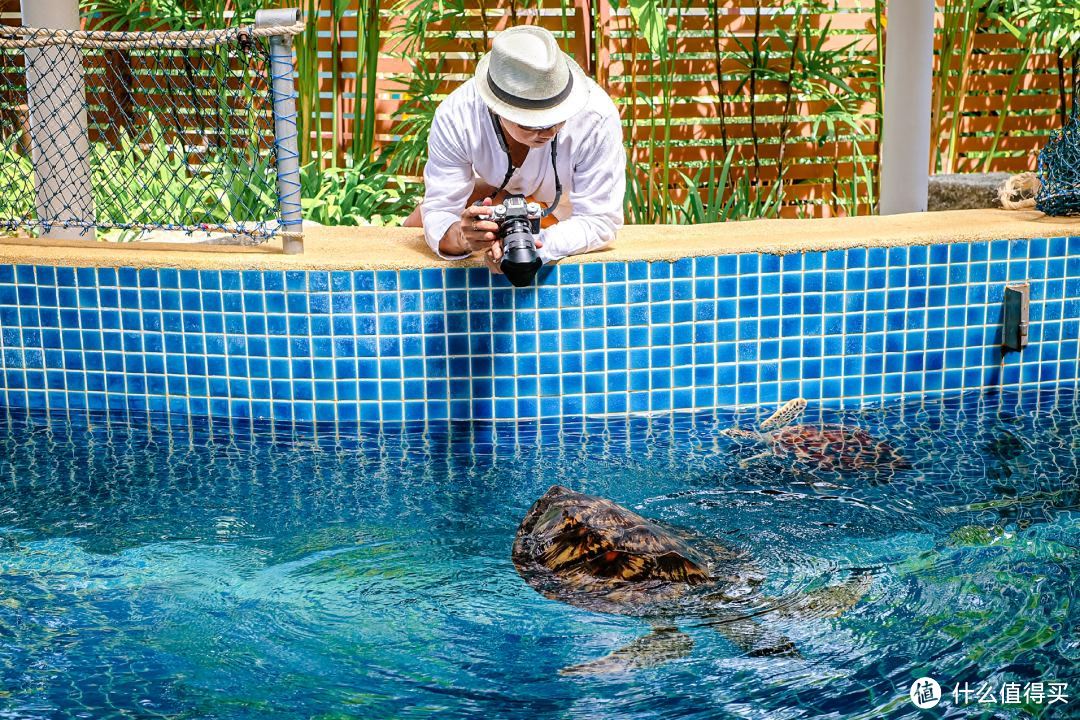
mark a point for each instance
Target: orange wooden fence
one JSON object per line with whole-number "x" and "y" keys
{"x": 819, "y": 164}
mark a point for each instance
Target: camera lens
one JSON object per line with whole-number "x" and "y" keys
{"x": 520, "y": 261}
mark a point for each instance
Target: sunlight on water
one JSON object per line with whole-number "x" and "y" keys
{"x": 155, "y": 571}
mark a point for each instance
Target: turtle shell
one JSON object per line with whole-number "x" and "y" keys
{"x": 593, "y": 553}
{"x": 836, "y": 447}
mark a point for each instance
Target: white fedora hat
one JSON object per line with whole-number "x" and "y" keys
{"x": 528, "y": 80}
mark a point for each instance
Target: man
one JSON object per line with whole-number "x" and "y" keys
{"x": 530, "y": 122}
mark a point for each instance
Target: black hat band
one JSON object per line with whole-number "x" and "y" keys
{"x": 528, "y": 103}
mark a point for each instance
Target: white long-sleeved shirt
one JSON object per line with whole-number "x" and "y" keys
{"x": 591, "y": 161}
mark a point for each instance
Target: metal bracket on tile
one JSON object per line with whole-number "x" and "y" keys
{"x": 1014, "y": 335}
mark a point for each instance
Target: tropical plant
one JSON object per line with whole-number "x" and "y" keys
{"x": 359, "y": 195}
{"x": 803, "y": 59}
{"x": 786, "y": 46}
{"x": 1030, "y": 42}
{"x": 420, "y": 88}
{"x": 651, "y": 18}
{"x": 814, "y": 71}
{"x": 1055, "y": 24}
{"x": 310, "y": 70}
{"x": 852, "y": 195}
{"x": 725, "y": 199}
{"x": 308, "y": 102}
{"x": 170, "y": 14}
{"x": 413, "y": 119}
{"x": 1036, "y": 24}
{"x": 367, "y": 67}
{"x": 17, "y": 176}
{"x": 718, "y": 60}
{"x": 961, "y": 20}
{"x": 337, "y": 72}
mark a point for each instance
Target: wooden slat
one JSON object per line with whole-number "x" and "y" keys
{"x": 1032, "y": 124}
{"x": 738, "y": 110}
{"x": 816, "y": 172}
{"x": 969, "y": 144}
{"x": 767, "y": 151}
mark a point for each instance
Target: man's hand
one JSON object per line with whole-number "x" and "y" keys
{"x": 493, "y": 257}
{"x": 478, "y": 234}
{"x": 470, "y": 233}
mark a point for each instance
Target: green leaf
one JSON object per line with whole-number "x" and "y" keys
{"x": 652, "y": 24}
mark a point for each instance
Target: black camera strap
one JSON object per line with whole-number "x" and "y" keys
{"x": 510, "y": 168}
{"x": 558, "y": 185}
{"x": 506, "y": 149}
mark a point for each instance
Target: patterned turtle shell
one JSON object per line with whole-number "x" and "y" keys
{"x": 592, "y": 553}
{"x": 835, "y": 447}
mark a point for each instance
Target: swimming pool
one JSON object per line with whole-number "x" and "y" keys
{"x": 231, "y": 571}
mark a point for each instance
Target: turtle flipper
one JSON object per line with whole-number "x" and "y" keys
{"x": 758, "y": 640}
{"x": 755, "y": 639}
{"x": 787, "y": 412}
{"x": 660, "y": 646}
{"x": 745, "y": 462}
{"x": 830, "y": 601}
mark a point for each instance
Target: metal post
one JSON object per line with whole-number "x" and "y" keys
{"x": 56, "y": 99}
{"x": 905, "y": 133}
{"x": 285, "y": 127}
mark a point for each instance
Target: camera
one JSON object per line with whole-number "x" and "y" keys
{"x": 519, "y": 222}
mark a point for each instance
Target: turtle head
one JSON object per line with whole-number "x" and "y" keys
{"x": 554, "y": 495}
{"x": 543, "y": 518}
{"x": 787, "y": 412}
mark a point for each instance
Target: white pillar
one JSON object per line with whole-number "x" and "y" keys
{"x": 905, "y": 133}
{"x": 56, "y": 96}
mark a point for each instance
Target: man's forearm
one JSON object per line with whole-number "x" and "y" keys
{"x": 453, "y": 241}
{"x": 577, "y": 235}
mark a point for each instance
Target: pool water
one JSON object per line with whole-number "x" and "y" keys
{"x": 172, "y": 570}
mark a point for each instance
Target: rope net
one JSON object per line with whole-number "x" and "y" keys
{"x": 143, "y": 135}
{"x": 1059, "y": 169}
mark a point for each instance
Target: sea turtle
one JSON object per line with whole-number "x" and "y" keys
{"x": 826, "y": 447}
{"x": 592, "y": 553}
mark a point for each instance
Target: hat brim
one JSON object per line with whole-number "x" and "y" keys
{"x": 574, "y": 103}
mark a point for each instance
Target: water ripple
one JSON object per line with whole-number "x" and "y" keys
{"x": 187, "y": 572}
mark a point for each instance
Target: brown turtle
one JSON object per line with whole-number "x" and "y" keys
{"x": 594, "y": 554}
{"x": 825, "y": 447}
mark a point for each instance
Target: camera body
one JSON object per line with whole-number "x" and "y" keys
{"x": 519, "y": 223}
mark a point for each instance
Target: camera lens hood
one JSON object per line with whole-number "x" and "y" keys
{"x": 520, "y": 260}
{"x": 520, "y": 267}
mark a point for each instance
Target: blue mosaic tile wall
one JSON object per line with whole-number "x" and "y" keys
{"x": 850, "y": 327}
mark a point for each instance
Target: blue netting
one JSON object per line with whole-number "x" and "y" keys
{"x": 179, "y": 133}
{"x": 1059, "y": 170}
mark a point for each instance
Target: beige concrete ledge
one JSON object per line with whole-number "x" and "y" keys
{"x": 342, "y": 248}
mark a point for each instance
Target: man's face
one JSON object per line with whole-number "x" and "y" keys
{"x": 530, "y": 137}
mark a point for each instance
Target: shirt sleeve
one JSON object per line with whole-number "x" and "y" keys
{"x": 448, "y": 181}
{"x": 596, "y": 198}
